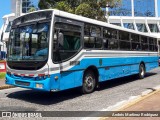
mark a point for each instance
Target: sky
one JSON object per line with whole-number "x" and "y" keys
{"x": 5, "y": 8}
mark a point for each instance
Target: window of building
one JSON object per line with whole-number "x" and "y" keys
{"x": 153, "y": 28}
{"x": 124, "y": 9}
{"x": 28, "y": 4}
{"x": 128, "y": 25}
{"x": 92, "y": 36}
{"x": 141, "y": 27}
{"x": 144, "y": 8}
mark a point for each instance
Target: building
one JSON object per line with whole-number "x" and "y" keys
{"x": 140, "y": 15}
{"x": 18, "y": 8}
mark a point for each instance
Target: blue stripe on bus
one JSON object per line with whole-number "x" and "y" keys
{"x": 111, "y": 68}
{"x": 74, "y": 76}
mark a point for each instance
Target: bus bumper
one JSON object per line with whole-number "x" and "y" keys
{"x": 43, "y": 84}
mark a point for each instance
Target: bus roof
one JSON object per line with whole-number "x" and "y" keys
{"x": 92, "y": 21}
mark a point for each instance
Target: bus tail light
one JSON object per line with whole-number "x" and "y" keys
{"x": 22, "y": 75}
{"x": 31, "y": 75}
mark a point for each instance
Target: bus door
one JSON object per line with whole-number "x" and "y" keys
{"x": 69, "y": 45}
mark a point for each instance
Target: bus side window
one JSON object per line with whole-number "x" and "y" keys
{"x": 135, "y": 42}
{"x": 144, "y": 43}
{"x": 71, "y": 43}
{"x": 92, "y": 36}
{"x": 110, "y": 38}
{"x": 152, "y": 44}
{"x": 124, "y": 40}
{"x": 105, "y": 42}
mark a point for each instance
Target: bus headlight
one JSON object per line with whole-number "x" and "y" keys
{"x": 38, "y": 85}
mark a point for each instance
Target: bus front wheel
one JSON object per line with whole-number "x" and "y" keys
{"x": 89, "y": 82}
{"x": 142, "y": 71}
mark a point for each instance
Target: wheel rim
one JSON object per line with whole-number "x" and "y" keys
{"x": 89, "y": 83}
{"x": 142, "y": 71}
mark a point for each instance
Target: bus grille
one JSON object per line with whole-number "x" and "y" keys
{"x": 22, "y": 83}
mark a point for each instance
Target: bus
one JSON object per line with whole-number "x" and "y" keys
{"x": 52, "y": 50}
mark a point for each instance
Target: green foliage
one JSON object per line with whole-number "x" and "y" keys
{"x": 2, "y": 75}
{"x": 91, "y": 11}
{"x": 87, "y": 8}
{"x": 64, "y": 6}
{"x": 32, "y": 9}
{"x": 113, "y": 3}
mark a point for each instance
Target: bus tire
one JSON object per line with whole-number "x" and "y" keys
{"x": 142, "y": 71}
{"x": 89, "y": 82}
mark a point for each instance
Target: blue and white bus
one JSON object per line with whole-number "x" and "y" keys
{"x": 51, "y": 50}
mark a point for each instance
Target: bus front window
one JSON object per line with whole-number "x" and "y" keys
{"x": 29, "y": 43}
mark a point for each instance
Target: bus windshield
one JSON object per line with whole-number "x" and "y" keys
{"x": 29, "y": 43}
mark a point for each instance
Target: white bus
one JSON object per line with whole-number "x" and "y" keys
{"x": 51, "y": 50}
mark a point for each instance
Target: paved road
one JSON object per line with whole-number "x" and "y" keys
{"x": 110, "y": 93}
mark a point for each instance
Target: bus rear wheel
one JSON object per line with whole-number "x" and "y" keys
{"x": 142, "y": 71}
{"x": 89, "y": 82}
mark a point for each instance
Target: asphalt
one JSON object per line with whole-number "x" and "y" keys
{"x": 2, "y": 82}
{"x": 3, "y": 85}
{"x": 148, "y": 101}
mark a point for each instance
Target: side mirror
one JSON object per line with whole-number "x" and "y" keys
{"x": 60, "y": 39}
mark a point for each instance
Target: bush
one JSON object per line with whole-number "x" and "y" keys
{"x": 2, "y": 75}
{"x": 2, "y": 61}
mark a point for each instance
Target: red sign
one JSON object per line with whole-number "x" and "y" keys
{"x": 3, "y": 66}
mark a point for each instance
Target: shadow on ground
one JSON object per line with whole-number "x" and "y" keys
{"x": 121, "y": 81}
{"x": 46, "y": 98}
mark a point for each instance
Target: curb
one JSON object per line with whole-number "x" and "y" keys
{"x": 138, "y": 99}
{"x": 132, "y": 100}
{"x": 6, "y": 87}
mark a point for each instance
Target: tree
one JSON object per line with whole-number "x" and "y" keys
{"x": 87, "y": 8}
{"x": 46, "y": 4}
{"x": 90, "y": 10}
{"x": 64, "y": 6}
{"x": 32, "y": 9}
